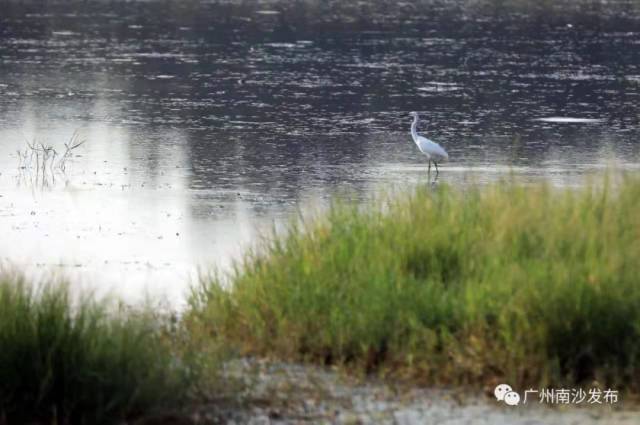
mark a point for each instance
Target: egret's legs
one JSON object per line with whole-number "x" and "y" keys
{"x": 429, "y": 172}
{"x": 437, "y": 171}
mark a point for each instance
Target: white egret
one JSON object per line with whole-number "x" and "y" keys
{"x": 434, "y": 152}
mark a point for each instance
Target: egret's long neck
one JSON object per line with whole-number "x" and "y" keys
{"x": 414, "y": 125}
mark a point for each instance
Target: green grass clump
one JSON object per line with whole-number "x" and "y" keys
{"x": 80, "y": 361}
{"x": 529, "y": 284}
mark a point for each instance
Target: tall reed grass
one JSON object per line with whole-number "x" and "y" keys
{"x": 84, "y": 361}
{"x": 530, "y": 284}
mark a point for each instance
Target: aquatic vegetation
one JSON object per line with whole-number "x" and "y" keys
{"x": 82, "y": 361}
{"x": 45, "y": 161}
{"x": 525, "y": 283}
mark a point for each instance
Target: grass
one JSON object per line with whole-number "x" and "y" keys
{"x": 531, "y": 285}
{"x": 85, "y": 361}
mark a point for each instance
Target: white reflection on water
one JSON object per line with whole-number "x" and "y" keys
{"x": 110, "y": 223}
{"x": 570, "y": 120}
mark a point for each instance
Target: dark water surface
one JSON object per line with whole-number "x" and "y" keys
{"x": 205, "y": 121}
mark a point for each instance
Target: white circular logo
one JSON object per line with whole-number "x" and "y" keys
{"x": 501, "y": 390}
{"x": 512, "y": 398}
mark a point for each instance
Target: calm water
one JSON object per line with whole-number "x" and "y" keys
{"x": 206, "y": 121}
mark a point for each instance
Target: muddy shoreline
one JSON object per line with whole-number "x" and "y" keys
{"x": 285, "y": 393}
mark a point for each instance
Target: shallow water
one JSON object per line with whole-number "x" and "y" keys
{"x": 206, "y": 121}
